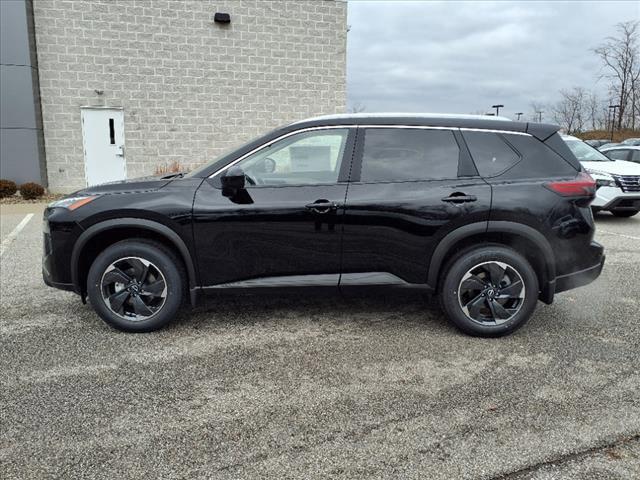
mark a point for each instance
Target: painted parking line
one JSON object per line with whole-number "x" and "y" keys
{"x": 14, "y": 233}
{"x": 618, "y": 234}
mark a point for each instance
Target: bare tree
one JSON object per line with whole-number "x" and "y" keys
{"x": 634, "y": 117}
{"x": 595, "y": 112}
{"x": 620, "y": 59}
{"x": 357, "y": 107}
{"x": 478, "y": 112}
{"x": 570, "y": 111}
{"x": 537, "y": 111}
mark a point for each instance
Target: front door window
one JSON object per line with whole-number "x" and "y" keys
{"x": 307, "y": 158}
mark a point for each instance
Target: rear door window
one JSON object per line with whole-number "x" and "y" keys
{"x": 408, "y": 154}
{"x": 491, "y": 154}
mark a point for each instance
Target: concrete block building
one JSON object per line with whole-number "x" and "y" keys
{"x": 124, "y": 87}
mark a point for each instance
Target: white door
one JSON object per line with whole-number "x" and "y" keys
{"x": 103, "y": 139}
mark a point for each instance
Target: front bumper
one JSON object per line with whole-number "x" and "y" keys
{"x": 613, "y": 198}
{"x": 624, "y": 203}
{"x": 56, "y": 252}
{"x": 48, "y": 265}
{"x": 50, "y": 283}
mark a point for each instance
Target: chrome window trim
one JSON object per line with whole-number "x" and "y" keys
{"x": 433, "y": 127}
{"x": 506, "y": 132}
{"x": 412, "y": 127}
{"x": 340, "y": 127}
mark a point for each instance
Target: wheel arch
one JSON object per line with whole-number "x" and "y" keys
{"x": 523, "y": 238}
{"x": 103, "y": 234}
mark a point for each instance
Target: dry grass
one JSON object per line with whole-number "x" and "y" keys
{"x": 16, "y": 199}
{"x": 173, "y": 167}
{"x": 618, "y": 135}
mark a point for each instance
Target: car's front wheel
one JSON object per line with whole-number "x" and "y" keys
{"x": 136, "y": 285}
{"x": 489, "y": 291}
{"x": 624, "y": 213}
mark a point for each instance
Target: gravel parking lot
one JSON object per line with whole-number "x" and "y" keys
{"x": 316, "y": 387}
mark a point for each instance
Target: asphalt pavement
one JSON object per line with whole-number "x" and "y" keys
{"x": 316, "y": 387}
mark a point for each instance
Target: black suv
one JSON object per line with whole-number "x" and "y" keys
{"x": 491, "y": 215}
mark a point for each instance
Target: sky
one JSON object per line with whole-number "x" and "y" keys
{"x": 464, "y": 57}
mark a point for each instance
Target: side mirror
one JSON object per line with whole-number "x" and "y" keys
{"x": 232, "y": 181}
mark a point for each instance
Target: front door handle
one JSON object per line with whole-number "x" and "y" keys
{"x": 460, "y": 198}
{"x": 322, "y": 206}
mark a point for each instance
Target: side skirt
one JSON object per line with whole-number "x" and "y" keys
{"x": 325, "y": 283}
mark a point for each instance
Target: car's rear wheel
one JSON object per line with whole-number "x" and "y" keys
{"x": 624, "y": 213}
{"x": 489, "y": 291}
{"x": 136, "y": 285}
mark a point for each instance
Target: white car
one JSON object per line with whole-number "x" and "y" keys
{"x": 617, "y": 181}
{"x": 629, "y": 153}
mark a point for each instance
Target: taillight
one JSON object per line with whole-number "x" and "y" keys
{"x": 581, "y": 186}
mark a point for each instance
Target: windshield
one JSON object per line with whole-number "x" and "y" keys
{"x": 584, "y": 152}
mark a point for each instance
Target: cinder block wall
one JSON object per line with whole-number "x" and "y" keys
{"x": 190, "y": 88}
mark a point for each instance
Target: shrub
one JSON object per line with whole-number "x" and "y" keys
{"x": 7, "y": 188}
{"x": 30, "y": 191}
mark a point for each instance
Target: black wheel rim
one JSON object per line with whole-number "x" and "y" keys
{"x": 491, "y": 293}
{"x": 133, "y": 288}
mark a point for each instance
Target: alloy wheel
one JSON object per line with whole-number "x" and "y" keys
{"x": 133, "y": 288}
{"x": 491, "y": 293}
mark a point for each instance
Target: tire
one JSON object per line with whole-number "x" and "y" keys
{"x": 624, "y": 213}
{"x": 468, "y": 275}
{"x": 136, "y": 285}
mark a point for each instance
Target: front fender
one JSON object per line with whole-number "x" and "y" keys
{"x": 138, "y": 223}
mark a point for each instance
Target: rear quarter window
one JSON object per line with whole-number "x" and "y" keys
{"x": 491, "y": 154}
{"x": 558, "y": 145}
{"x": 538, "y": 160}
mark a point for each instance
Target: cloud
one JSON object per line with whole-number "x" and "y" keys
{"x": 463, "y": 57}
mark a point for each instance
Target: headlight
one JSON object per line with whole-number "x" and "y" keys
{"x": 605, "y": 183}
{"x": 602, "y": 179}
{"x": 72, "y": 203}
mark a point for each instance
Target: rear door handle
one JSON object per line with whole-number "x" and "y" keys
{"x": 322, "y": 206}
{"x": 460, "y": 198}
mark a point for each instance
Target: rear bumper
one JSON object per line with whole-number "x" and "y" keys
{"x": 593, "y": 262}
{"x": 579, "y": 278}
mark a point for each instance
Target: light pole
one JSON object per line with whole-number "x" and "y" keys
{"x": 540, "y": 112}
{"x": 613, "y": 118}
{"x": 497, "y": 107}
{"x": 519, "y": 114}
